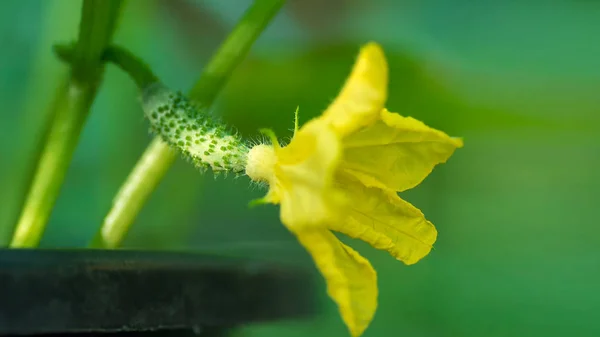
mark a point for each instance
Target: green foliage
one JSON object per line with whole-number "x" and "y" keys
{"x": 310, "y": 78}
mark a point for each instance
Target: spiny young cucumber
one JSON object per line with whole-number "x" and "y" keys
{"x": 188, "y": 128}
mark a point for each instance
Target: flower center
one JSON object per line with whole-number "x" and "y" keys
{"x": 260, "y": 165}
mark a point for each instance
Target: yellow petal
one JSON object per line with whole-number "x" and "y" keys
{"x": 363, "y": 95}
{"x": 396, "y": 153}
{"x": 351, "y": 280}
{"x": 383, "y": 220}
{"x": 304, "y": 177}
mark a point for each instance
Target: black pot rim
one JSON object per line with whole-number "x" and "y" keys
{"x": 83, "y": 290}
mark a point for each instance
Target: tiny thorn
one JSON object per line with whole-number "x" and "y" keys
{"x": 296, "y": 119}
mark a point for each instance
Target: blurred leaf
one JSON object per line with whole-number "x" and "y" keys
{"x": 321, "y": 18}
{"x": 198, "y": 30}
{"x": 269, "y": 92}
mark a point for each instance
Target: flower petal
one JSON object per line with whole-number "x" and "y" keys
{"x": 383, "y": 220}
{"x": 304, "y": 177}
{"x": 397, "y": 152}
{"x": 351, "y": 280}
{"x": 364, "y": 93}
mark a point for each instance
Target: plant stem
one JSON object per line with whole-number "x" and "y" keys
{"x": 70, "y": 109}
{"x": 141, "y": 181}
{"x": 132, "y": 65}
{"x": 233, "y": 50}
{"x": 139, "y": 72}
{"x": 147, "y": 174}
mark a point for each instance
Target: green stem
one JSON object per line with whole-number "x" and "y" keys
{"x": 132, "y": 65}
{"x": 233, "y": 50}
{"x": 70, "y": 109}
{"x": 124, "y": 59}
{"x": 146, "y": 174}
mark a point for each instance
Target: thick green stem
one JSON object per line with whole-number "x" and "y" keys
{"x": 146, "y": 175}
{"x": 70, "y": 109}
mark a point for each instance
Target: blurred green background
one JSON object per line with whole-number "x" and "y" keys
{"x": 518, "y": 252}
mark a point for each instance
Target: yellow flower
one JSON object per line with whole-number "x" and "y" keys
{"x": 341, "y": 172}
